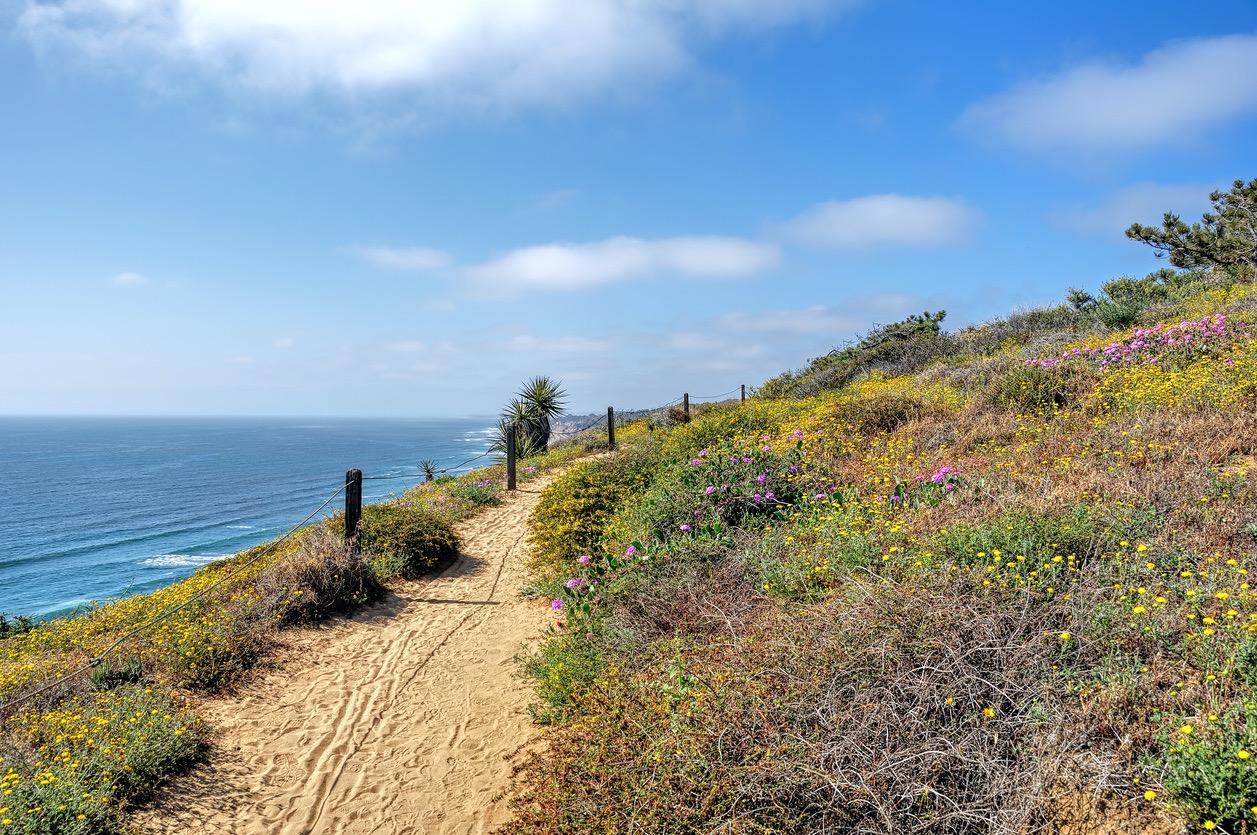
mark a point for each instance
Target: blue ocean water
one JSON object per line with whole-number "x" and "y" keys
{"x": 96, "y": 508}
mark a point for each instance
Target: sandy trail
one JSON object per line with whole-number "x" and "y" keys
{"x": 402, "y": 719}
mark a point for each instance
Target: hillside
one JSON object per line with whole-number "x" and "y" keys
{"x": 995, "y": 580}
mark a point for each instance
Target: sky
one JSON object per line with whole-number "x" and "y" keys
{"x": 406, "y": 207}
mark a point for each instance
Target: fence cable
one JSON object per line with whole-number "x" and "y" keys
{"x": 714, "y": 396}
{"x": 631, "y": 414}
{"x": 100, "y": 657}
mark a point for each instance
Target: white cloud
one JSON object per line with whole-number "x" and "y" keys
{"x": 128, "y": 279}
{"x": 1140, "y": 203}
{"x": 883, "y": 219}
{"x": 284, "y": 343}
{"x": 414, "y": 258}
{"x": 1173, "y": 91}
{"x": 558, "y": 344}
{"x": 562, "y": 266}
{"x": 470, "y": 54}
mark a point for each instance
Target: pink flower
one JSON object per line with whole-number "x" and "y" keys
{"x": 632, "y": 549}
{"x": 556, "y": 604}
{"x": 709, "y": 489}
{"x": 583, "y": 559}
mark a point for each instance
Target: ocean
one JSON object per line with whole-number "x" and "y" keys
{"x": 92, "y": 509}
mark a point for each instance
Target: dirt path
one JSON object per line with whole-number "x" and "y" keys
{"x": 399, "y": 720}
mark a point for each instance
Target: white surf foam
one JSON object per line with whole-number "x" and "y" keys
{"x": 182, "y": 560}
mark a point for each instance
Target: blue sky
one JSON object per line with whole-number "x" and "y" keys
{"x": 404, "y": 208}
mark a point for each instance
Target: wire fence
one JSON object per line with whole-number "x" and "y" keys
{"x": 99, "y": 658}
{"x": 269, "y": 547}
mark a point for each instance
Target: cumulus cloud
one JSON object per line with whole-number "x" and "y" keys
{"x": 468, "y": 54}
{"x": 414, "y": 258}
{"x": 883, "y": 219}
{"x": 1173, "y": 91}
{"x": 563, "y": 266}
{"x": 1139, "y": 203}
{"x": 128, "y": 279}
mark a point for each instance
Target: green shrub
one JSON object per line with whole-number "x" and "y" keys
{"x": 480, "y": 491}
{"x": 1117, "y": 314}
{"x": 69, "y": 771}
{"x": 719, "y": 423}
{"x": 1211, "y": 769}
{"x": 1019, "y": 328}
{"x": 16, "y": 626}
{"x": 404, "y": 541}
{"x": 886, "y": 411}
{"x": 1039, "y": 389}
{"x": 901, "y": 347}
{"x": 1075, "y": 536}
{"x": 719, "y": 488}
{"x": 574, "y": 510}
{"x": 108, "y": 674}
{"x": 324, "y": 576}
{"x": 562, "y": 668}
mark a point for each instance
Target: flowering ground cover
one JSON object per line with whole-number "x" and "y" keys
{"x": 1008, "y": 592}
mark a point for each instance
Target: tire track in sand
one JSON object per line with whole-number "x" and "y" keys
{"x": 399, "y": 720}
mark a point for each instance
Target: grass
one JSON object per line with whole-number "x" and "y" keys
{"x": 1002, "y": 587}
{"x": 75, "y": 759}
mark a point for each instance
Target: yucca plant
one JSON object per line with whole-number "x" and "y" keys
{"x": 540, "y": 400}
{"x": 429, "y": 469}
{"x": 524, "y": 445}
{"x": 543, "y": 399}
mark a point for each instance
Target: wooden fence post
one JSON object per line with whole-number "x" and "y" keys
{"x": 686, "y": 398}
{"x": 610, "y": 427}
{"x": 353, "y": 506}
{"x": 510, "y": 457}
{"x": 744, "y": 392}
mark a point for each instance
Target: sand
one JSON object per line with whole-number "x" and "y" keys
{"x": 402, "y": 719}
